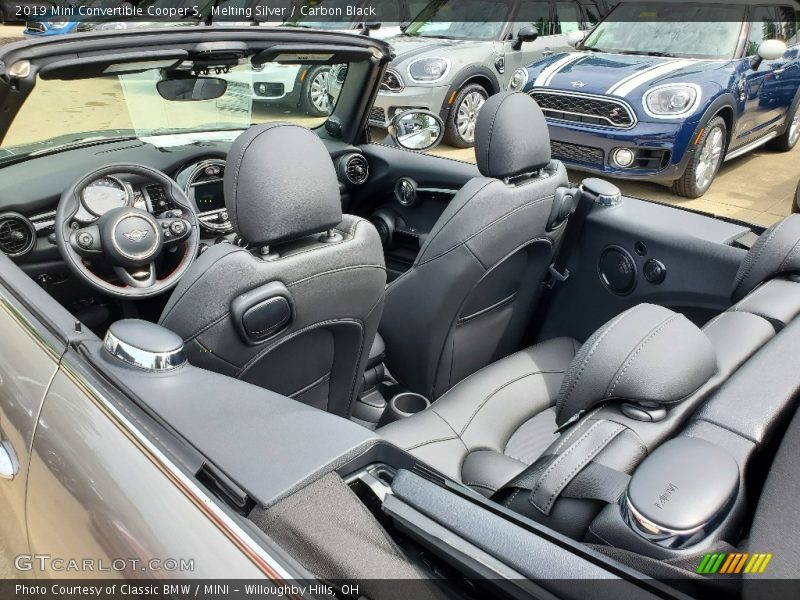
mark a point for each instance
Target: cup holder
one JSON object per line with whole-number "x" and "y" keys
{"x": 403, "y": 406}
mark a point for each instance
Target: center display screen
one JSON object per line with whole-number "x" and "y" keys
{"x": 209, "y": 196}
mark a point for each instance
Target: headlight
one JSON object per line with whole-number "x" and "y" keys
{"x": 111, "y": 26}
{"x": 518, "y": 80}
{"x": 428, "y": 70}
{"x": 57, "y": 24}
{"x": 673, "y": 100}
{"x": 392, "y": 82}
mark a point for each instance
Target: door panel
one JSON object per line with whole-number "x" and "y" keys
{"x": 95, "y": 494}
{"x": 28, "y": 362}
{"x": 697, "y": 252}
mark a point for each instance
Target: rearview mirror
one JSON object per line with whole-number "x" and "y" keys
{"x": 369, "y": 27}
{"x": 417, "y": 130}
{"x": 769, "y": 50}
{"x": 197, "y": 88}
{"x": 526, "y": 34}
{"x": 575, "y": 37}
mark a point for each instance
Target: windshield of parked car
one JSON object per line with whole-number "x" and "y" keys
{"x": 709, "y": 31}
{"x": 461, "y": 20}
{"x": 63, "y": 113}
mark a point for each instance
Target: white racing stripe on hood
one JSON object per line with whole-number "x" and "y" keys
{"x": 627, "y": 85}
{"x": 546, "y": 76}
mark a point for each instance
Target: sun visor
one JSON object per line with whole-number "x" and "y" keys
{"x": 84, "y": 67}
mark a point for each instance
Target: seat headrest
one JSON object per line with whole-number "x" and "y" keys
{"x": 511, "y": 137}
{"x": 280, "y": 184}
{"x": 776, "y": 252}
{"x": 646, "y": 354}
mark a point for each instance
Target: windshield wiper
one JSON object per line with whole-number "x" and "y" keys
{"x": 644, "y": 53}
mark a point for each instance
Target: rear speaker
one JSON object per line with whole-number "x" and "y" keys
{"x": 617, "y": 270}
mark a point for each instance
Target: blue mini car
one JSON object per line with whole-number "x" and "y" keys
{"x": 668, "y": 91}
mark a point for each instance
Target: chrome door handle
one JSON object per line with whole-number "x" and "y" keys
{"x": 8, "y": 461}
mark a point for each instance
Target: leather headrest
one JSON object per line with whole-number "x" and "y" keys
{"x": 280, "y": 184}
{"x": 511, "y": 137}
{"x": 776, "y": 251}
{"x": 646, "y": 354}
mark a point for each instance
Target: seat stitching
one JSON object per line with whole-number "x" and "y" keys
{"x": 575, "y": 430}
{"x": 480, "y": 485}
{"x": 332, "y": 271}
{"x": 789, "y": 256}
{"x": 634, "y": 354}
{"x": 502, "y": 387}
{"x": 594, "y": 347}
{"x": 561, "y": 458}
{"x": 425, "y": 443}
{"x": 600, "y": 445}
{"x": 754, "y": 262}
{"x": 487, "y": 226}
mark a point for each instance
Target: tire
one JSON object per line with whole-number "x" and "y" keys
{"x": 788, "y": 140}
{"x": 459, "y": 130}
{"x": 315, "y": 99}
{"x": 706, "y": 162}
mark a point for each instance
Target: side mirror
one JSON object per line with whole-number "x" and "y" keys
{"x": 417, "y": 130}
{"x": 527, "y": 34}
{"x": 369, "y": 27}
{"x": 575, "y": 37}
{"x": 769, "y": 50}
{"x": 192, "y": 88}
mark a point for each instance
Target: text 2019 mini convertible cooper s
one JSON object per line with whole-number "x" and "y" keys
{"x": 561, "y": 392}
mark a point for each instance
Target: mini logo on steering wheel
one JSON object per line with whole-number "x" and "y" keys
{"x": 137, "y": 235}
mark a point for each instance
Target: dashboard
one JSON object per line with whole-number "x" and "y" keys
{"x": 30, "y": 191}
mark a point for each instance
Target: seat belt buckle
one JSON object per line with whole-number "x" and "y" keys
{"x": 555, "y": 277}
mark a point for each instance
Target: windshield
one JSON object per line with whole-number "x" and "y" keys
{"x": 464, "y": 19}
{"x": 60, "y": 113}
{"x": 709, "y": 31}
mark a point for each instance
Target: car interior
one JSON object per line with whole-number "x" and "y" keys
{"x": 515, "y": 374}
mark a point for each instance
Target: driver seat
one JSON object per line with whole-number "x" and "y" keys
{"x": 297, "y": 311}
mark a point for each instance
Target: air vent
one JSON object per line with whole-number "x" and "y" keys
{"x": 17, "y": 235}
{"x": 356, "y": 169}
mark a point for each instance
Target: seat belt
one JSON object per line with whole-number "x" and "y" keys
{"x": 592, "y": 191}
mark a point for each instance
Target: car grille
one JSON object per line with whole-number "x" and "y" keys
{"x": 580, "y": 108}
{"x": 575, "y": 153}
{"x": 377, "y": 115}
{"x": 35, "y": 26}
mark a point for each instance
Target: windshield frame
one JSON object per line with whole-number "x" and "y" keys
{"x": 734, "y": 53}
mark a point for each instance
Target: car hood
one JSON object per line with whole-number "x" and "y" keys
{"x": 612, "y": 74}
{"x": 407, "y": 48}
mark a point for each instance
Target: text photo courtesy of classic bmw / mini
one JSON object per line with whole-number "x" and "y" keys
{"x": 399, "y": 299}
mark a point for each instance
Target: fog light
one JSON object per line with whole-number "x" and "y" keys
{"x": 262, "y": 89}
{"x": 623, "y": 157}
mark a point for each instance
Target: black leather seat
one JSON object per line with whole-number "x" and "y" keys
{"x": 297, "y": 313}
{"x": 467, "y": 298}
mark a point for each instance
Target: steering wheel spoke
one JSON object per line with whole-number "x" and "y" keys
{"x": 174, "y": 230}
{"x": 86, "y": 242}
{"x": 139, "y": 277}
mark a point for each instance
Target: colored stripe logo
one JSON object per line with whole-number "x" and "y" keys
{"x": 733, "y": 563}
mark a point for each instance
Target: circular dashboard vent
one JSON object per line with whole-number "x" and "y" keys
{"x": 17, "y": 235}
{"x": 356, "y": 169}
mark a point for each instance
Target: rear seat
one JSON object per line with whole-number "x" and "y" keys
{"x": 496, "y": 430}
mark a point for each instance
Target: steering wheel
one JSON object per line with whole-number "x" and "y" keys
{"x": 126, "y": 238}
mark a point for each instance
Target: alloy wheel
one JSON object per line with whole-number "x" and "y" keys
{"x": 318, "y": 92}
{"x": 794, "y": 129}
{"x": 467, "y": 115}
{"x": 710, "y": 158}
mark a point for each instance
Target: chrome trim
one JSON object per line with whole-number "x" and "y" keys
{"x": 698, "y": 99}
{"x": 144, "y": 359}
{"x": 224, "y": 227}
{"x": 145, "y": 253}
{"x": 751, "y": 146}
{"x": 664, "y": 536}
{"x": 448, "y": 64}
{"x": 622, "y": 103}
{"x": 43, "y": 220}
{"x": 386, "y": 88}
